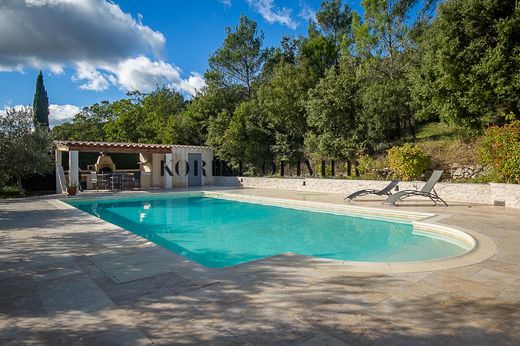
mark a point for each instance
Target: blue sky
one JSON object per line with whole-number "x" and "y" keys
{"x": 93, "y": 50}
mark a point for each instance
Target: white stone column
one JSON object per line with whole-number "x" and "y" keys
{"x": 168, "y": 179}
{"x": 73, "y": 167}
{"x": 182, "y": 153}
{"x": 60, "y": 177}
{"x": 146, "y": 166}
{"x": 157, "y": 178}
{"x": 176, "y": 159}
{"x": 207, "y": 157}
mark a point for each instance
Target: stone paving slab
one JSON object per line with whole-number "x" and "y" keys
{"x": 55, "y": 270}
{"x": 69, "y": 278}
{"x": 324, "y": 340}
{"x": 75, "y": 302}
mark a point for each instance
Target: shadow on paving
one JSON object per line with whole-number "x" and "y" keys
{"x": 53, "y": 292}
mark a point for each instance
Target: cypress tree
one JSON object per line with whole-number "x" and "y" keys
{"x": 41, "y": 103}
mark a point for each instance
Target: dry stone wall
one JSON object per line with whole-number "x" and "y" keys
{"x": 459, "y": 172}
{"x": 499, "y": 194}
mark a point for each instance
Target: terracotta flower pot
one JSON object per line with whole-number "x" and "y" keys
{"x": 72, "y": 190}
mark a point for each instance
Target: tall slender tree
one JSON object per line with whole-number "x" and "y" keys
{"x": 241, "y": 57}
{"x": 41, "y": 103}
{"x": 382, "y": 40}
{"x": 335, "y": 20}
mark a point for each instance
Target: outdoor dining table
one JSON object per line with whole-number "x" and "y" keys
{"x": 118, "y": 181}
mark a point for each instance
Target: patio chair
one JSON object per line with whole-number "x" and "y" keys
{"x": 117, "y": 181}
{"x": 103, "y": 181}
{"x": 387, "y": 191}
{"x": 426, "y": 191}
{"x": 135, "y": 181}
{"x": 93, "y": 180}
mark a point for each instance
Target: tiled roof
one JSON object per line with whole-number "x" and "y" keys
{"x": 106, "y": 146}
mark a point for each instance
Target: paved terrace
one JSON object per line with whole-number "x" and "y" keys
{"x": 69, "y": 278}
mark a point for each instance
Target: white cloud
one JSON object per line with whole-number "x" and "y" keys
{"x": 95, "y": 80}
{"x": 195, "y": 83}
{"x": 145, "y": 75}
{"x": 103, "y": 44}
{"x": 17, "y": 107}
{"x": 61, "y": 113}
{"x": 307, "y": 13}
{"x": 57, "y": 113}
{"x": 272, "y": 14}
{"x": 139, "y": 73}
{"x": 226, "y": 2}
{"x": 52, "y": 33}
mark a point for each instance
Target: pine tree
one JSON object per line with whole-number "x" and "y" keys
{"x": 41, "y": 103}
{"x": 241, "y": 57}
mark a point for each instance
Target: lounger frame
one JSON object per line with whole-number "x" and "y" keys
{"x": 387, "y": 191}
{"x": 409, "y": 193}
{"x": 427, "y": 191}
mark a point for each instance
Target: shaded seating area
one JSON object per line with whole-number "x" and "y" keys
{"x": 116, "y": 181}
{"x": 104, "y": 176}
{"x": 124, "y": 181}
{"x": 426, "y": 191}
{"x": 129, "y": 166}
{"x": 97, "y": 169}
{"x": 387, "y": 191}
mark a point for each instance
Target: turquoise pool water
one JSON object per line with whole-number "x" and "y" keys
{"x": 219, "y": 233}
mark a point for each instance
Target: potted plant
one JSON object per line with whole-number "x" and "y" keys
{"x": 72, "y": 188}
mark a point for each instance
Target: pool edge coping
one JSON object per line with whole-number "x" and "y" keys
{"x": 483, "y": 248}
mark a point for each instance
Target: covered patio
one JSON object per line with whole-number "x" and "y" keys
{"x": 159, "y": 166}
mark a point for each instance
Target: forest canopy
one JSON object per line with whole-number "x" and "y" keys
{"x": 355, "y": 84}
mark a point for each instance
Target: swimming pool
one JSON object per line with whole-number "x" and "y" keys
{"x": 219, "y": 232}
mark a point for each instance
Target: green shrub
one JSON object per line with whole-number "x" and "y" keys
{"x": 408, "y": 161}
{"x": 9, "y": 192}
{"x": 328, "y": 170}
{"x": 499, "y": 147}
{"x": 369, "y": 166}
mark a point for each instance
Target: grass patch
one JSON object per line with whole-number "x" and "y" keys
{"x": 445, "y": 152}
{"x": 435, "y": 131}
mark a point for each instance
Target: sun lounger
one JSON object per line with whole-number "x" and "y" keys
{"x": 387, "y": 191}
{"x": 426, "y": 191}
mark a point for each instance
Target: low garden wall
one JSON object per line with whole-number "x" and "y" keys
{"x": 499, "y": 194}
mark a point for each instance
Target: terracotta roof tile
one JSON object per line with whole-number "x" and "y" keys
{"x": 117, "y": 145}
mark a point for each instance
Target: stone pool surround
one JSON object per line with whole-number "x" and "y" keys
{"x": 480, "y": 247}
{"x": 70, "y": 278}
{"x": 507, "y": 195}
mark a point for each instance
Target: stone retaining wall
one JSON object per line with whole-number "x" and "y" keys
{"x": 500, "y": 194}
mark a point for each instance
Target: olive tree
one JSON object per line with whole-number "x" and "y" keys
{"x": 24, "y": 149}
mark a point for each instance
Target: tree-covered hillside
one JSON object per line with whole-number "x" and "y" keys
{"x": 354, "y": 85}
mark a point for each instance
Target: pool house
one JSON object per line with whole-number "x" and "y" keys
{"x": 158, "y": 165}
